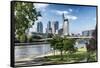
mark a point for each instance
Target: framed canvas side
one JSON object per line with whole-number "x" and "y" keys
{"x": 12, "y": 49}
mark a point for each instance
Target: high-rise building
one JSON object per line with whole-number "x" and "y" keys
{"x": 60, "y": 31}
{"x": 49, "y": 24}
{"x": 55, "y": 27}
{"x": 87, "y": 33}
{"x": 52, "y": 27}
{"x": 49, "y": 29}
{"x": 65, "y": 26}
{"x": 39, "y": 27}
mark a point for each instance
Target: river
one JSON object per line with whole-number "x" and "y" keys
{"x": 31, "y": 51}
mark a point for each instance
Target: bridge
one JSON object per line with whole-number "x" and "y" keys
{"x": 79, "y": 37}
{"x": 44, "y": 41}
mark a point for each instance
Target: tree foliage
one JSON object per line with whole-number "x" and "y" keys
{"x": 69, "y": 45}
{"x": 63, "y": 44}
{"x": 25, "y": 15}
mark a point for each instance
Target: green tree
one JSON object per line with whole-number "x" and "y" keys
{"x": 57, "y": 44}
{"x": 69, "y": 45}
{"x": 25, "y": 15}
{"x": 53, "y": 44}
{"x": 92, "y": 47}
{"x": 63, "y": 44}
{"x": 60, "y": 46}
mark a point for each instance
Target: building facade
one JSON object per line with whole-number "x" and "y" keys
{"x": 55, "y": 27}
{"x": 49, "y": 29}
{"x": 65, "y": 26}
{"x": 60, "y": 31}
{"x": 87, "y": 33}
{"x": 52, "y": 27}
{"x": 39, "y": 27}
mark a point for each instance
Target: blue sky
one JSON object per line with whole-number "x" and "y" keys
{"x": 80, "y": 17}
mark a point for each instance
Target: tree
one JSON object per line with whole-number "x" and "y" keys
{"x": 25, "y": 15}
{"x": 92, "y": 46}
{"x": 63, "y": 44}
{"x": 49, "y": 35}
{"x": 60, "y": 46}
{"x": 69, "y": 45}
{"x": 53, "y": 44}
{"x": 57, "y": 44}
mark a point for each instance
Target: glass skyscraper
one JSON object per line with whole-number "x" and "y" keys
{"x": 52, "y": 27}
{"x": 49, "y": 29}
{"x": 39, "y": 27}
{"x": 49, "y": 25}
{"x": 56, "y": 26}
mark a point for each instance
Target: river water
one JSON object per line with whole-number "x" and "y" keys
{"x": 34, "y": 50}
{"x": 31, "y": 51}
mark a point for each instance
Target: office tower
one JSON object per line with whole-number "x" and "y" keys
{"x": 87, "y": 33}
{"x": 49, "y": 24}
{"x": 49, "y": 29}
{"x": 39, "y": 27}
{"x": 65, "y": 26}
{"x": 55, "y": 26}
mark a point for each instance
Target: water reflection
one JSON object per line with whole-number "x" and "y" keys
{"x": 31, "y": 51}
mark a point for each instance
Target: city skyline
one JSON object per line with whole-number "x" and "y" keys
{"x": 52, "y": 27}
{"x": 80, "y": 17}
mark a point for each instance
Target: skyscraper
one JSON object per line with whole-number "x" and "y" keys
{"x": 49, "y": 29}
{"x": 49, "y": 24}
{"x": 39, "y": 27}
{"x": 60, "y": 31}
{"x": 55, "y": 26}
{"x": 65, "y": 26}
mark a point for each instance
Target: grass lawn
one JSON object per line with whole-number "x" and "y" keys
{"x": 79, "y": 56}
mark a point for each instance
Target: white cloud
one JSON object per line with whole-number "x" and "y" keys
{"x": 70, "y": 10}
{"x": 60, "y": 12}
{"x": 71, "y": 17}
{"x": 39, "y": 6}
{"x": 67, "y": 14}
